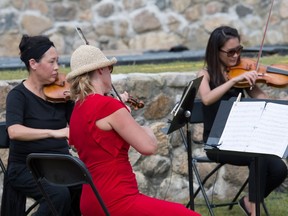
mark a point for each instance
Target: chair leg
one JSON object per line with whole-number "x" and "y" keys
{"x": 2, "y": 166}
{"x": 206, "y": 177}
{"x": 100, "y": 199}
{"x": 208, "y": 204}
{"x": 52, "y": 208}
{"x": 202, "y": 189}
{"x": 27, "y": 212}
{"x": 265, "y": 208}
{"x": 238, "y": 194}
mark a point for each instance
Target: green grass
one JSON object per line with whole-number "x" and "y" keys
{"x": 158, "y": 68}
{"x": 276, "y": 204}
{"x": 123, "y": 69}
{"x": 180, "y": 66}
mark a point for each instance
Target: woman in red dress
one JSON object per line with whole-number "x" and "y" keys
{"x": 102, "y": 130}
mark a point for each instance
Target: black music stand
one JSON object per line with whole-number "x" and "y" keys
{"x": 181, "y": 116}
{"x": 222, "y": 116}
{"x": 216, "y": 132}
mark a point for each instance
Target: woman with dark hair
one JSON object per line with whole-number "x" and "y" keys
{"x": 223, "y": 51}
{"x": 37, "y": 125}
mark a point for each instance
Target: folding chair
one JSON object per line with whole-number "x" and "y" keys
{"x": 4, "y": 144}
{"x": 197, "y": 117}
{"x": 59, "y": 169}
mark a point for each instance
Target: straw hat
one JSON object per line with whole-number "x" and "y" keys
{"x": 87, "y": 58}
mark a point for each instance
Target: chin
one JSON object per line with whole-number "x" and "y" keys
{"x": 233, "y": 62}
{"x": 52, "y": 80}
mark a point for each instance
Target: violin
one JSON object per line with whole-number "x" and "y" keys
{"x": 131, "y": 101}
{"x": 135, "y": 103}
{"x": 273, "y": 75}
{"x": 59, "y": 92}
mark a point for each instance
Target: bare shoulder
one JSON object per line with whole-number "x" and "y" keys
{"x": 204, "y": 73}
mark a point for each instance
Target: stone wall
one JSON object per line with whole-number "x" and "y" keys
{"x": 165, "y": 174}
{"x": 133, "y": 25}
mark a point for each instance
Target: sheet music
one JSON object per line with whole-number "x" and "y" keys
{"x": 256, "y": 127}
{"x": 271, "y": 133}
{"x": 239, "y": 126}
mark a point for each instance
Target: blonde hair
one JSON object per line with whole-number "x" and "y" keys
{"x": 81, "y": 87}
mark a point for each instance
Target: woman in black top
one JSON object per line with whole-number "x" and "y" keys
{"x": 36, "y": 125}
{"x": 223, "y": 51}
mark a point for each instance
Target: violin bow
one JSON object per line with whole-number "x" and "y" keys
{"x": 264, "y": 35}
{"x": 80, "y": 33}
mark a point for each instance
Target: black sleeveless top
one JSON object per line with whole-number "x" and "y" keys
{"x": 209, "y": 112}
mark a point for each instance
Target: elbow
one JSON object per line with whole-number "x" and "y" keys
{"x": 12, "y": 133}
{"x": 12, "y": 137}
{"x": 150, "y": 149}
{"x": 206, "y": 102}
{"x": 153, "y": 149}
{"x": 148, "y": 152}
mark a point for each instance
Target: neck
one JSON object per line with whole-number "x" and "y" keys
{"x": 34, "y": 86}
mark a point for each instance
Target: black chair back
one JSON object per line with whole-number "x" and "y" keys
{"x": 4, "y": 142}
{"x": 197, "y": 112}
{"x": 7, "y": 190}
{"x": 4, "y": 139}
{"x": 41, "y": 164}
{"x": 59, "y": 169}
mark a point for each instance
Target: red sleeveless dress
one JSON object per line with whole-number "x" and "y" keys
{"x": 105, "y": 154}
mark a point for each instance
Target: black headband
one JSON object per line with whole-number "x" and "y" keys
{"x": 35, "y": 52}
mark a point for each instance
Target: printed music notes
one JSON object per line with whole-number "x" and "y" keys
{"x": 256, "y": 127}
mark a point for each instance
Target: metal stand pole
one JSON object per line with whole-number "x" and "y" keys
{"x": 190, "y": 171}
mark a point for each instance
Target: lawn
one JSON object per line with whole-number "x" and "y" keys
{"x": 276, "y": 202}
{"x": 180, "y": 66}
